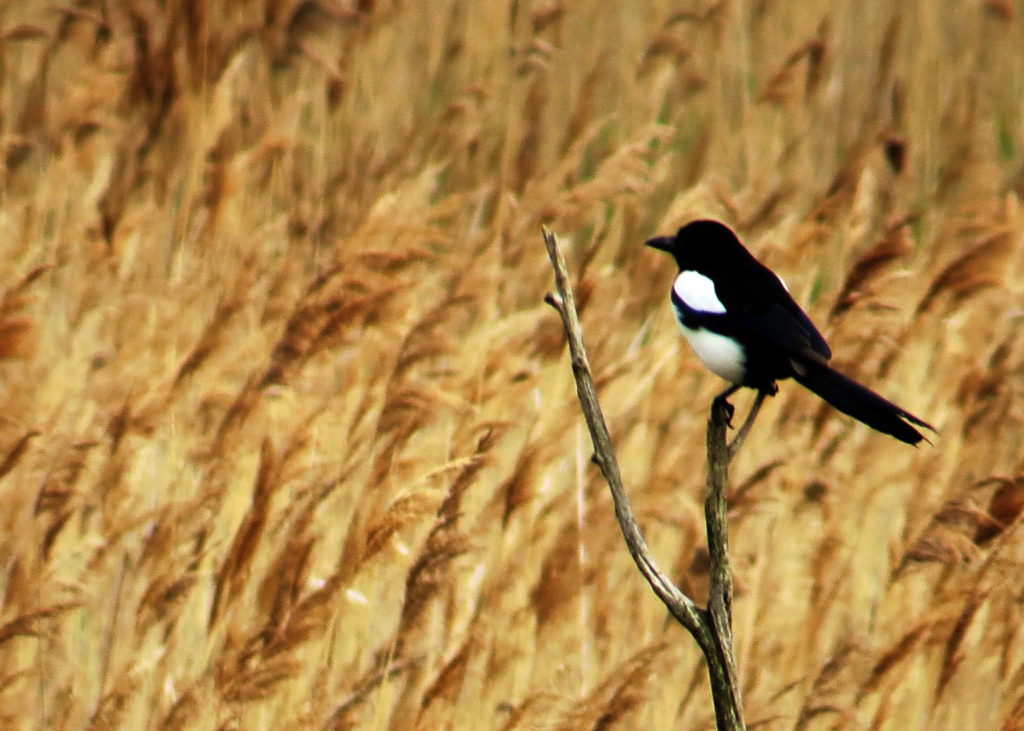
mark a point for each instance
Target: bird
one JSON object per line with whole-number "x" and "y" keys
{"x": 744, "y": 325}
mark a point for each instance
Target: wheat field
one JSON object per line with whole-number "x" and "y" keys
{"x": 289, "y": 439}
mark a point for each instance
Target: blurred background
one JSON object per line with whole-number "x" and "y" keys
{"x": 289, "y": 439}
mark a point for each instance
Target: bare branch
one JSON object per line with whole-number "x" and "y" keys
{"x": 682, "y": 608}
{"x": 711, "y": 628}
{"x": 716, "y": 518}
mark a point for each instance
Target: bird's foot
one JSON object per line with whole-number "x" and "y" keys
{"x": 721, "y": 403}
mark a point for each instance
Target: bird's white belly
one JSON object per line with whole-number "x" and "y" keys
{"x": 720, "y": 354}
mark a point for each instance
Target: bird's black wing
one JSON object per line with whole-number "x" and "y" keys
{"x": 761, "y": 312}
{"x": 771, "y": 328}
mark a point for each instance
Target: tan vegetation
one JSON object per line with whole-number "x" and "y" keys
{"x": 289, "y": 439}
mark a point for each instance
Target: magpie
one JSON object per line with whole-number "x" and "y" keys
{"x": 745, "y": 327}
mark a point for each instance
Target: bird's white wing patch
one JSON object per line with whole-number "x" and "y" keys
{"x": 697, "y": 292}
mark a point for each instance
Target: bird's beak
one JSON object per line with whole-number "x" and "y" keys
{"x": 664, "y": 243}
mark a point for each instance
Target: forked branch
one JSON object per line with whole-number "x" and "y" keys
{"x": 711, "y": 627}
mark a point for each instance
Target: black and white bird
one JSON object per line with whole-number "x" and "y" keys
{"x": 743, "y": 324}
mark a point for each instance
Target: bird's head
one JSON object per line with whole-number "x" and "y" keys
{"x": 698, "y": 243}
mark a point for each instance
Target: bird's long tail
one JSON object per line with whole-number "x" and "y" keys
{"x": 861, "y": 403}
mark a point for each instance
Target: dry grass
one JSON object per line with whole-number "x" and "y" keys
{"x": 289, "y": 439}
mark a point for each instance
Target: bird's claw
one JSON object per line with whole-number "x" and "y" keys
{"x": 727, "y": 409}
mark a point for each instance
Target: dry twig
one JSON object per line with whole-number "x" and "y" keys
{"x": 711, "y": 627}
